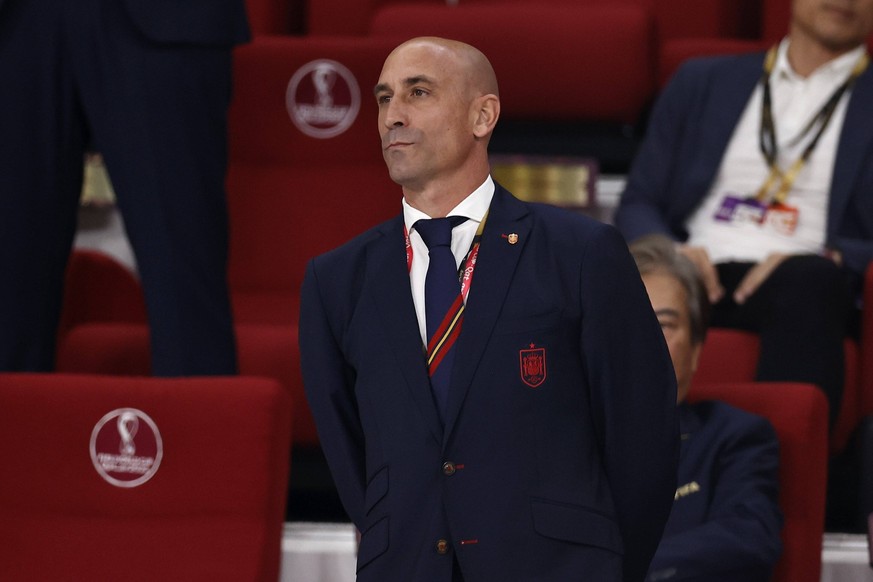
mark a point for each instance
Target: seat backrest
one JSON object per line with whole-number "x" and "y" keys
{"x": 292, "y": 194}
{"x": 555, "y": 61}
{"x": 798, "y": 413}
{"x": 99, "y": 288}
{"x": 111, "y": 478}
{"x": 709, "y": 17}
{"x": 731, "y": 355}
{"x": 776, "y": 14}
{"x": 728, "y": 355}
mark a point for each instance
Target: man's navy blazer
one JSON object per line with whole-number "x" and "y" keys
{"x": 568, "y": 474}
{"x": 689, "y": 131}
{"x": 726, "y": 523}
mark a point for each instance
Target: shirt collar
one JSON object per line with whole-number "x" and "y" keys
{"x": 474, "y": 206}
{"x": 838, "y": 69}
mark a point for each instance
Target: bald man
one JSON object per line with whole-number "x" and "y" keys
{"x": 496, "y": 402}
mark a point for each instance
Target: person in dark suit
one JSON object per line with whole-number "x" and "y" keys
{"x": 761, "y": 167}
{"x": 550, "y": 452}
{"x": 147, "y": 83}
{"x": 726, "y": 523}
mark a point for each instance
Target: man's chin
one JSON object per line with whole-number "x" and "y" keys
{"x": 399, "y": 175}
{"x": 838, "y": 40}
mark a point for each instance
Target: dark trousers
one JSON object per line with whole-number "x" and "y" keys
{"x": 802, "y": 314}
{"x": 79, "y": 75}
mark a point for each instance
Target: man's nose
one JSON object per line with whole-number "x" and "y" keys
{"x": 395, "y": 114}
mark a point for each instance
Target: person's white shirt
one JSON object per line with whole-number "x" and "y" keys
{"x": 474, "y": 207}
{"x": 743, "y": 170}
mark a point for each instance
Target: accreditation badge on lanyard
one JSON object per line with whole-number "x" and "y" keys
{"x": 781, "y": 218}
{"x": 766, "y": 208}
{"x": 737, "y": 210}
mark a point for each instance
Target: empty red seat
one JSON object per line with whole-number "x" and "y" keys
{"x": 142, "y": 479}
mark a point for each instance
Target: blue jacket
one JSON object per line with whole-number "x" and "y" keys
{"x": 726, "y": 523}
{"x": 569, "y": 478}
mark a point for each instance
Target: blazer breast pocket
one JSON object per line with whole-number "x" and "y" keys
{"x": 529, "y": 323}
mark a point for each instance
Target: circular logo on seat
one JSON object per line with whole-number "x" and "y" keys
{"x": 126, "y": 447}
{"x": 323, "y": 98}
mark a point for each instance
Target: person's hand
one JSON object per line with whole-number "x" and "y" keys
{"x": 834, "y": 255}
{"x": 757, "y": 275}
{"x": 708, "y": 273}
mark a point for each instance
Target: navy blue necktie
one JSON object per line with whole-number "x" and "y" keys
{"x": 444, "y": 306}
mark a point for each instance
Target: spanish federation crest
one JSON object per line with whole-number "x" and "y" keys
{"x": 533, "y": 365}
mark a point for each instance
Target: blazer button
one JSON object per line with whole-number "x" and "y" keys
{"x": 449, "y": 468}
{"x": 442, "y": 547}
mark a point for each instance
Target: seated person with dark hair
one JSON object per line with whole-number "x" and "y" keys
{"x": 725, "y": 523}
{"x": 761, "y": 167}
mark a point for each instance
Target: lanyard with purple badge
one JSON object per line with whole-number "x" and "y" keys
{"x": 764, "y": 208}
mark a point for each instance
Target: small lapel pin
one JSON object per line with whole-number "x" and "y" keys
{"x": 512, "y": 238}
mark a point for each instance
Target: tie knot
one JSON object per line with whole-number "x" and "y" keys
{"x": 436, "y": 232}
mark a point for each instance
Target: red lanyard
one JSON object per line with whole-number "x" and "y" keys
{"x": 468, "y": 265}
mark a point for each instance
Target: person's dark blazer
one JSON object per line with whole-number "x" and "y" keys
{"x": 569, "y": 478}
{"x": 726, "y": 523}
{"x": 689, "y": 130}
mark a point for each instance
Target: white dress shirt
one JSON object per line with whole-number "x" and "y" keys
{"x": 795, "y": 101}
{"x": 474, "y": 207}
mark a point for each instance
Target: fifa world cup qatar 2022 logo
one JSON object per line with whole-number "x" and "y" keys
{"x": 323, "y": 98}
{"x": 126, "y": 447}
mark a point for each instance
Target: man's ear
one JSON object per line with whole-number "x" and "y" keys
{"x": 486, "y": 110}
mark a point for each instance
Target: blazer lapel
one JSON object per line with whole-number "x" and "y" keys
{"x": 730, "y": 95}
{"x": 494, "y": 270}
{"x": 854, "y": 143}
{"x": 388, "y": 280}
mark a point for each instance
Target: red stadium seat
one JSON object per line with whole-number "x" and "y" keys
{"x": 602, "y": 53}
{"x": 554, "y": 60}
{"x": 99, "y": 289}
{"x": 122, "y": 349}
{"x": 731, "y": 355}
{"x": 798, "y": 412}
{"x": 673, "y": 19}
{"x": 142, "y": 479}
